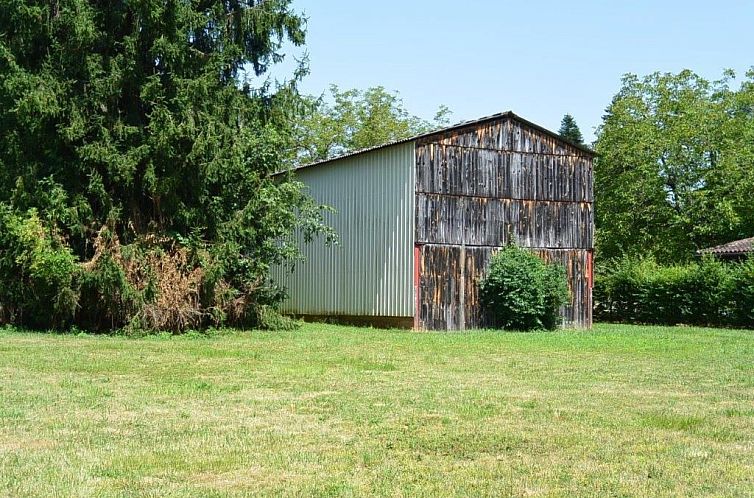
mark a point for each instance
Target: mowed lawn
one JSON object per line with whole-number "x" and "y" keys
{"x": 328, "y": 410}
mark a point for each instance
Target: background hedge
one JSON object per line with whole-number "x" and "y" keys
{"x": 707, "y": 292}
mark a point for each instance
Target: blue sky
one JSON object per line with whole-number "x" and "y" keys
{"x": 540, "y": 59}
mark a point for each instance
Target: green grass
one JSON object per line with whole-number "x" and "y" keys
{"x": 327, "y": 410}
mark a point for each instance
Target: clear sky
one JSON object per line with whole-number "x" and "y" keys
{"x": 540, "y": 59}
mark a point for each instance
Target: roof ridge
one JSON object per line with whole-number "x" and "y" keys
{"x": 461, "y": 124}
{"x": 740, "y": 246}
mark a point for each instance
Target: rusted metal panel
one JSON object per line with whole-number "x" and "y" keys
{"x": 417, "y": 284}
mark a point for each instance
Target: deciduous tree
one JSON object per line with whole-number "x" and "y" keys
{"x": 349, "y": 120}
{"x": 674, "y": 168}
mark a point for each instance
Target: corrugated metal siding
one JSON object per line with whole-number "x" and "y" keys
{"x": 370, "y": 271}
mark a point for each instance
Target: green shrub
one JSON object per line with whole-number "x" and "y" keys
{"x": 152, "y": 284}
{"x": 707, "y": 292}
{"x": 269, "y": 318}
{"x": 522, "y": 292}
{"x": 619, "y": 290}
{"x": 37, "y": 271}
{"x": 742, "y": 295}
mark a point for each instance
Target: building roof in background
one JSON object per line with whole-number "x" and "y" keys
{"x": 735, "y": 248}
{"x": 462, "y": 124}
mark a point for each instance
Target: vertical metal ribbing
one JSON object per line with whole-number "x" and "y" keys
{"x": 370, "y": 271}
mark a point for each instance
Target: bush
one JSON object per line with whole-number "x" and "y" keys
{"x": 152, "y": 284}
{"x": 707, "y": 292}
{"x": 269, "y": 318}
{"x": 522, "y": 292}
{"x": 742, "y": 295}
{"x": 37, "y": 273}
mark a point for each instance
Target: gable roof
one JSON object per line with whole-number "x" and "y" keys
{"x": 457, "y": 126}
{"x": 735, "y": 248}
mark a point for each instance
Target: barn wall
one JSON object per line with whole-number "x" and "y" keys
{"x": 480, "y": 188}
{"x": 370, "y": 271}
{"x": 445, "y": 285}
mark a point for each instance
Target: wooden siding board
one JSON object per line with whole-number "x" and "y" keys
{"x": 439, "y": 290}
{"x": 450, "y": 169}
{"x": 441, "y": 283}
{"x": 486, "y": 221}
{"x": 478, "y": 189}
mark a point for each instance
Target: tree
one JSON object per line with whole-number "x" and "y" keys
{"x": 155, "y": 121}
{"x": 674, "y": 167}
{"x": 570, "y": 130}
{"x": 353, "y": 119}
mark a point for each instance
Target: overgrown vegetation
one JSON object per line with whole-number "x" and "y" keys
{"x": 522, "y": 292}
{"x": 700, "y": 293}
{"x": 137, "y": 146}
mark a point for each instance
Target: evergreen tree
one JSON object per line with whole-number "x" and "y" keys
{"x": 570, "y": 130}
{"x": 155, "y": 120}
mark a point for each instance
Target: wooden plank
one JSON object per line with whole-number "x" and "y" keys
{"x": 482, "y": 221}
{"x": 440, "y": 287}
{"x": 444, "y": 169}
{"x": 480, "y": 187}
{"x": 450, "y": 279}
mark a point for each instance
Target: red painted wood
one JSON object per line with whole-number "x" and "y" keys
{"x": 590, "y": 269}
{"x": 417, "y": 301}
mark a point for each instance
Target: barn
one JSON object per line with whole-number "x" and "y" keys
{"x": 419, "y": 219}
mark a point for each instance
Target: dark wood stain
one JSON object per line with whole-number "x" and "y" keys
{"x": 480, "y": 188}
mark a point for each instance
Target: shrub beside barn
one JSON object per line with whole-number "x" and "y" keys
{"x": 419, "y": 219}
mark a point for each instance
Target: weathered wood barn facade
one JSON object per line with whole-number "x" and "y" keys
{"x": 419, "y": 219}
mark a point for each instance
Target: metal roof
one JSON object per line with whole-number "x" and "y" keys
{"x": 735, "y": 248}
{"x": 462, "y": 124}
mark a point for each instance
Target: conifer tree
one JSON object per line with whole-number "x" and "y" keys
{"x": 157, "y": 121}
{"x": 570, "y": 130}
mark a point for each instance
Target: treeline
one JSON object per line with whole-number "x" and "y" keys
{"x": 674, "y": 175}
{"x": 674, "y": 172}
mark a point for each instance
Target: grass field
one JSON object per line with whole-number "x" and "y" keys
{"x": 327, "y": 410}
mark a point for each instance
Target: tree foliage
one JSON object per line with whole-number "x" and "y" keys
{"x": 155, "y": 120}
{"x": 674, "y": 168}
{"x": 353, "y": 119}
{"x": 570, "y": 130}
